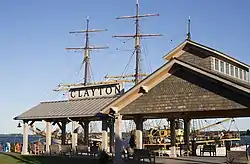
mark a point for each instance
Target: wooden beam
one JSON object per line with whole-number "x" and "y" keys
{"x": 31, "y": 123}
{"x": 82, "y": 125}
{"x": 59, "y": 125}
{"x": 134, "y": 93}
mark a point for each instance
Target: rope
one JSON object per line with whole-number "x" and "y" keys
{"x": 235, "y": 125}
{"x": 230, "y": 125}
{"x": 128, "y": 63}
{"x": 145, "y": 49}
{"x": 91, "y": 72}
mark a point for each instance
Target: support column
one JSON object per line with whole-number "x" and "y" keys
{"x": 111, "y": 138}
{"x": 186, "y": 133}
{"x": 86, "y": 132}
{"x": 173, "y": 138}
{"x": 138, "y": 132}
{"x": 63, "y": 133}
{"x": 74, "y": 136}
{"x": 48, "y": 136}
{"x": 104, "y": 135}
{"x": 25, "y": 138}
{"x": 118, "y": 139}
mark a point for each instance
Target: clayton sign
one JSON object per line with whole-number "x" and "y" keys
{"x": 96, "y": 91}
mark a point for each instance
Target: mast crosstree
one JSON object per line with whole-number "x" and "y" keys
{"x": 86, "y": 61}
{"x": 137, "y": 36}
{"x": 138, "y": 75}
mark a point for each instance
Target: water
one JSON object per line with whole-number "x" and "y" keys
{"x": 18, "y": 139}
{"x": 245, "y": 140}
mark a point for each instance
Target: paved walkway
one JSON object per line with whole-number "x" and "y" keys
{"x": 191, "y": 160}
{"x": 184, "y": 160}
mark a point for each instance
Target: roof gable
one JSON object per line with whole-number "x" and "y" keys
{"x": 178, "y": 51}
{"x": 157, "y": 77}
{"x": 186, "y": 91}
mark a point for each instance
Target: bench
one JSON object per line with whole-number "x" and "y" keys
{"x": 54, "y": 149}
{"x": 66, "y": 149}
{"x": 208, "y": 148}
{"x": 82, "y": 149}
{"x": 234, "y": 157}
{"x": 41, "y": 149}
{"x": 144, "y": 154}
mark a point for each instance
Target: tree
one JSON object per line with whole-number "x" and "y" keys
{"x": 248, "y": 132}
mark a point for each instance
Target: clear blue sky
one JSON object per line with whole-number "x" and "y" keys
{"x": 33, "y": 35}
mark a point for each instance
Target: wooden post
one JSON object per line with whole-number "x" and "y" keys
{"x": 138, "y": 132}
{"x": 118, "y": 139}
{"x": 48, "y": 136}
{"x": 186, "y": 133}
{"x": 25, "y": 138}
{"x": 86, "y": 132}
{"x": 173, "y": 138}
{"x": 104, "y": 135}
{"x": 63, "y": 133}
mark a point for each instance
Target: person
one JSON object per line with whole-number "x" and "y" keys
{"x": 132, "y": 141}
{"x": 7, "y": 147}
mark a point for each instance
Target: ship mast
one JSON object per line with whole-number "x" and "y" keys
{"x": 86, "y": 61}
{"x": 137, "y": 36}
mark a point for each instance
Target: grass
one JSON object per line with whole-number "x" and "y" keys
{"x": 13, "y": 158}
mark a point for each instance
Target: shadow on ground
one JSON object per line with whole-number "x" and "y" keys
{"x": 14, "y": 158}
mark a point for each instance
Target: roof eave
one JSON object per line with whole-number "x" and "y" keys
{"x": 169, "y": 55}
{"x": 54, "y": 117}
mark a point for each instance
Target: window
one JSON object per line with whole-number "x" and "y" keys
{"x": 245, "y": 75}
{"x": 236, "y": 72}
{"x": 216, "y": 64}
{"x": 227, "y": 68}
{"x": 231, "y": 70}
{"x": 222, "y": 66}
{"x": 241, "y": 74}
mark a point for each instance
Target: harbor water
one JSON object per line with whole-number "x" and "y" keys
{"x": 19, "y": 139}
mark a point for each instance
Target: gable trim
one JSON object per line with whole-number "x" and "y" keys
{"x": 175, "y": 51}
{"x": 134, "y": 93}
{"x": 157, "y": 77}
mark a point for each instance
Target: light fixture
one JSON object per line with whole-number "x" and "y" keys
{"x": 19, "y": 125}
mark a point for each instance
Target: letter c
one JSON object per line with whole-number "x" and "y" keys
{"x": 72, "y": 95}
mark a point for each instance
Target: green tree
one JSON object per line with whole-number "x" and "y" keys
{"x": 248, "y": 132}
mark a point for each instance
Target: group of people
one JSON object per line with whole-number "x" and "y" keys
{"x": 5, "y": 147}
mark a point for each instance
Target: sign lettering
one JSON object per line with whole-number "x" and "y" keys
{"x": 96, "y": 91}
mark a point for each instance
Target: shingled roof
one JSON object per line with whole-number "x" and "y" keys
{"x": 162, "y": 73}
{"x": 172, "y": 54}
{"x": 88, "y": 107}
